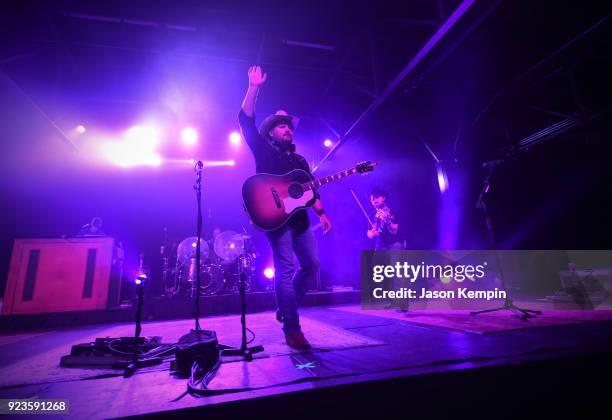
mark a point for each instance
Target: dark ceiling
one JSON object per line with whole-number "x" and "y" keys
{"x": 326, "y": 59}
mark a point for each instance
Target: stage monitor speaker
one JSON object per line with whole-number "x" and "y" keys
{"x": 59, "y": 275}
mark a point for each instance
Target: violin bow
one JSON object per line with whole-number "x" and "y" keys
{"x": 362, "y": 209}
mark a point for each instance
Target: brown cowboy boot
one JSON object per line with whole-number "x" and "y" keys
{"x": 296, "y": 340}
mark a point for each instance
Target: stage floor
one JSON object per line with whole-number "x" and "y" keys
{"x": 351, "y": 346}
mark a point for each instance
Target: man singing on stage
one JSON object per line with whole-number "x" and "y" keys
{"x": 274, "y": 153}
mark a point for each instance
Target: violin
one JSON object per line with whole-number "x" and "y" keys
{"x": 383, "y": 218}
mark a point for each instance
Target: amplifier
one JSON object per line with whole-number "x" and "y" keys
{"x": 592, "y": 278}
{"x": 59, "y": 275}
{"x": 587, "y": 288}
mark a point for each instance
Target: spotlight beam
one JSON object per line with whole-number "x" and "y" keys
{"x": 463, "y": 7}
{"x": 211, "y": 163}
{"x": 205, "y": 163}
{"x": 429, "y": 150}
{"x": 51, "y": 122}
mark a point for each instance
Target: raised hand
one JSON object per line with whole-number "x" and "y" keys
{"x": 256, "y": 76}
{"x": 256, "y": 79}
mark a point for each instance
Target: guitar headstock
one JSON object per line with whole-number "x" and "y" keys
{"x": 364, "y": 167}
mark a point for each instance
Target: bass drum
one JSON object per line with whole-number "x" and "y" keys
{"x": 211, "y": 278}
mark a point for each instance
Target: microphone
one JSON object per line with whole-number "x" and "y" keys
{"x": 492, "y": 163}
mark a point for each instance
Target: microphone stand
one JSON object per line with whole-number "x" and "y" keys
{"x": 244, "y": 350}
{"x": 522, "y": 313}
{"x": 135, "y": 363}
{"x": 197, "y": 334}
{"x": 189, "y": 347}
{"x": 198, "y": 189}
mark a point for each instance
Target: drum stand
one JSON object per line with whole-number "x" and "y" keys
{"x": 244, "y": 350}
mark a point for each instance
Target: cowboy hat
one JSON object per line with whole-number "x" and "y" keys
{"x": 280, "y": 117}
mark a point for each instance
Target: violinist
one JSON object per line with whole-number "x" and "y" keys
{"x": 385, "y": 227}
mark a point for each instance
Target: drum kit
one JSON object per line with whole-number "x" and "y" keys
{"x": 223, "y": 259}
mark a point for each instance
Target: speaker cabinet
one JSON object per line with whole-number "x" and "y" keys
{"x": 59, "y": 275}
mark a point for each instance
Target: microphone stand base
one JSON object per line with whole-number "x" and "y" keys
{"x": 523, "y": 313}
{"x": 247, "y": 352}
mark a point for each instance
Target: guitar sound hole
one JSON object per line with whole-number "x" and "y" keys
{"x": 295, "y": 191}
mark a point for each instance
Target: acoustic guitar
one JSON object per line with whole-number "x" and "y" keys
{"x": 271, "y": 200}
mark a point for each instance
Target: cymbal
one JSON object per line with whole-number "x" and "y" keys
{"x": 186, "y": 250}
{"x": 229, "y": 245}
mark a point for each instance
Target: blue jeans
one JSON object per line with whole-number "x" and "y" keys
{"x": 291, "y": 285}
{"x": 395, "y": 283}
{"x": 395, "y": 246}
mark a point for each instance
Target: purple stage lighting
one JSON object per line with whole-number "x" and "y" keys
{"x": 80, "y": 129}
{"x": 146, "y": 137}
{"x": 442, "y": 177}
{"x": 189, "y": 136}
{"x": 209, "y": 163}
{"x": 327, "y": 143}
{"x": 140, "y": 279}
{"x": 137, "y": 149}
{"x": 154, "y": 160}
{"x": 269, "y": 273}
{"x": 235, "y": 138}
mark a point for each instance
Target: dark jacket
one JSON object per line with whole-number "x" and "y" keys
{"x": 272, "y": 159}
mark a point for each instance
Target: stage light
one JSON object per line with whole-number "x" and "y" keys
{"x": 140, "y": 279}
{"x": 327, "y": 143}
{"x": 80, "y": 129}
{"x": 210, "y": 163}
{"x": 116, "y": 152}
{"x": 442, "y": 177}
{"x": 189, "y": 136}
{"x": 127, "y": 154}
{"x": 235, "y": 138}
{"x": 269, "y": 273}
{"x": 154, "y": 159}
{"x": 146, "y": 137}
{"x": 446, "y": 279}
{"x": 134, "y": 131}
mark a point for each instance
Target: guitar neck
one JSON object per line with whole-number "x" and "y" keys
{"x": 327, "y": 179}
